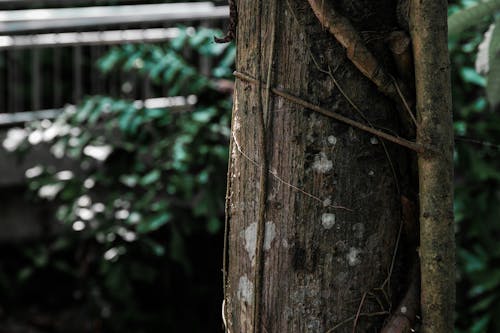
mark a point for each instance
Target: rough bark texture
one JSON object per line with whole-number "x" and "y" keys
{"x": 428, "y": 23}
{"x": 320, "y": 262}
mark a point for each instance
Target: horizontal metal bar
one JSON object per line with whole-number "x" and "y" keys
{"x": 176, "y": 103}
{"x": 22, "y": 117}
{"x": 22, "y": 21}
{"x": 110, "y": 37}
{"x": 99, "y": 12}
{"x": 56, "y": 2}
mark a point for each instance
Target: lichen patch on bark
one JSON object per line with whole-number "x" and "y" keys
{"x": 353, "y": 257}
{"x": 245, "y": 290}
{"x": 328, "y": 220}
{"x": 321, "y": 163}
{"x": 250, "y": 237}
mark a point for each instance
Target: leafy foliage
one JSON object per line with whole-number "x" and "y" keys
{"x": 477, "y": 179}
{"x": 473, "y": 16}
{"x": 146, "y": 178}
{"x": 169, "y": 66}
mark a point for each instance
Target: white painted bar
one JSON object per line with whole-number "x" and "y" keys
{"x": 16, "y": 21}
{"x": 110, "y": 37}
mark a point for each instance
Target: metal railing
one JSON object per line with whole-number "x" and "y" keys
{"x": 48, "y": 56}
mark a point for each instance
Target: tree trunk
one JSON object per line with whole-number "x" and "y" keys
{"x": 314, "y": 205}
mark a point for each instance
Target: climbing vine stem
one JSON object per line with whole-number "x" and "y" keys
{"x": 282, "y": 93}
{"x": 428, "y": 27}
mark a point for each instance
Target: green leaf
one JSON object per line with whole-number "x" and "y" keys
{"x": 213, "y": 225}
{"x": 126, "y": 118}
{"x": 223, "y": 68}
{"x": 204, "y": 115}
{"x": 25, "y": 273}
{"x": 200, "y": 38}
{"x": 470, "y": 75}
{"x": 487, "y": 281}
{"x": 107, "y": 63}
{"x": 481, "y": 325}
{"x": 473, "y": 263}
{"x": 157, "y": 248}
{"x": 129, "y": 180}
{"x": 84, "y": 112}
{"x": 154, "y": 223}
{"x": 178, "y": 42}
{"x": 155, "y": 113}
{"x": 484, "y": 303}
{"x": 175, "y": 67}
{"x": 133, "y": 60}
{"x": 161, "y": 66}
{"x": 150, "y": 178}
{"x": 469, "y": 17}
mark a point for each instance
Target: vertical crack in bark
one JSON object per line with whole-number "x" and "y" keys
{"x": 264, "y": 108}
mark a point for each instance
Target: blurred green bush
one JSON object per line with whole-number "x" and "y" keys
{"x": 477, "y": 163}
{"x": 150, "y": 180}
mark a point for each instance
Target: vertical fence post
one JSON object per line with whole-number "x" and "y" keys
{"x": 14, "y": 87}
{"x": 57, "y": 77}
{"x": 205, "y": 62}
{"x": 3, "y": 65}
{"x": 35, "y": 79}
{"x": 77, "y": 73}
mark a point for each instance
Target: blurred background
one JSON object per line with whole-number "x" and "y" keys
{"x": 114, "y": 130}
{"x": 114, "y": 125}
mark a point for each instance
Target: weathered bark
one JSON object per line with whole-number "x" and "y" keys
{"x": 428, "y": 24}
{"x": 331, "y": 207}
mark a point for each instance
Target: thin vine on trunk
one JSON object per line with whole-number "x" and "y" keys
{"x": 428, "y": 25}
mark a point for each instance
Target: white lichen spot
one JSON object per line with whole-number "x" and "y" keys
{"x": 236, "y": 123}
{"x": 332, "y": 140}
{"x": 327, "y": 202}
{"x": 359, "y": 230}
{"x": 483, "y": 58}
{"x": 269, "y": 235}
{"x": 371, "y": 173}
{"x": 245, "y": 290}
{"x": 353, "y": 256}
{"x": 328, "y": 220}
{"x": 314, "y": 325}
{"x": 373, "y": 140}
{"x": 322, "y": 163}
{"x": 281, "y": 101}
{"x": 285, "y": 244}
{"x": 250, "y": 236}
{"x": 403, "y": 309}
